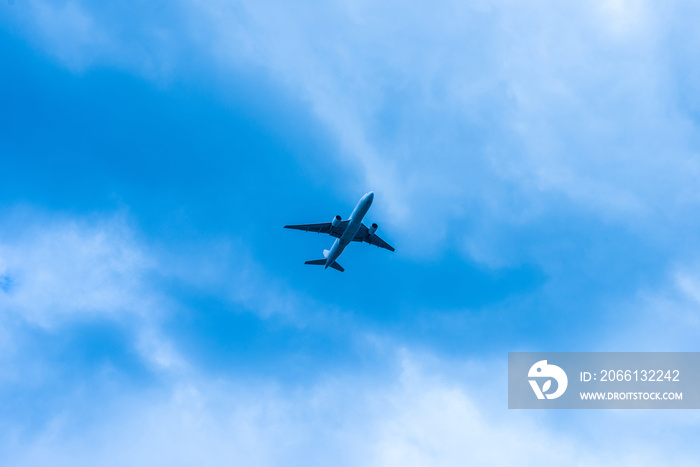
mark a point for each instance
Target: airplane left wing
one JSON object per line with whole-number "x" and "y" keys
{"x": 363, "y": 235}
{"x": 325, "y": 227}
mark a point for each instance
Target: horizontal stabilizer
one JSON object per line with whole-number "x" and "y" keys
{"x": 337, "y": 266}
{"x": 322, "y": 262}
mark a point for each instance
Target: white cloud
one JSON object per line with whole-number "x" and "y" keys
{"x": 224, "y": 268}
{"x": 53, "y": 269}
{"x": 65, "y": 268}
{"x": 70, "y": 32}
{"x": 464, "y": 118}
{"x": 472, "y": 118}
{"x": 57, "y": 271}
{"x": 660, "y": 318}
{"x": 422, "y": 417}
{"x": 60, "y": 271}
{"x": 582, "y": 107}
{"x": 82, "y": 35}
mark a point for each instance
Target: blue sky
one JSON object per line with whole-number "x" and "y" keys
{"x": 535, "y": 167}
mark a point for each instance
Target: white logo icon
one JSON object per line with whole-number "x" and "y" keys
{"x": 542, "y": 370}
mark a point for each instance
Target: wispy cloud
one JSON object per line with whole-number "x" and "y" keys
{"x": 424, "y": 417}
{"x": 415, "y": 409}
{"x": 464, "y": 118}
{"x": 64, "y": 271}
{"x": 60, "y": 269}
{"x": 660, "y": 317}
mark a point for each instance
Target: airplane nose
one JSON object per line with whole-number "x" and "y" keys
{"x": 370, "y": 195}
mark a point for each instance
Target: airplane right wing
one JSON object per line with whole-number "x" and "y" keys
{"x": 324, "y": 227}
{"x": 363, "y": 235}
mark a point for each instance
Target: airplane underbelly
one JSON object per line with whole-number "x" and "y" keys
{"x": 350, "y": 232}
{"x": 336, "y": 250}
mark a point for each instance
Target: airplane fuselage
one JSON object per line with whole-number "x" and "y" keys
{"x": 354, "y": 223}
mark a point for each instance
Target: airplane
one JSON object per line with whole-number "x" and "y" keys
{"x": 351, "y": 230}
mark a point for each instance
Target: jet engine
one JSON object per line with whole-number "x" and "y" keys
{"x": 336, "y": 220}
{"x": 372, "y": 228}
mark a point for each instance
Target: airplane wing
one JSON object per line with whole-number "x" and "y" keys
{"x": 325, "y": 227}
{"x": 363, "y": 235}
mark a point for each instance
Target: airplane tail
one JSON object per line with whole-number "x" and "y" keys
{"x": 322, "y": 262}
